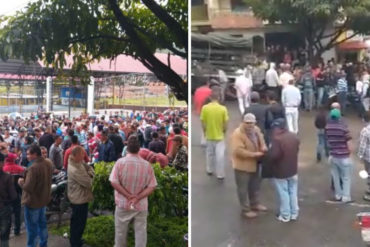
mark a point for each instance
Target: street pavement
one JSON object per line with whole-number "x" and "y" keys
{"x": 53, "y": 241}
{"x": 216, "y": 216}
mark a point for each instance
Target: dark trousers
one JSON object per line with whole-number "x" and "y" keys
{"x": 78, "y": 223}
{"x": 248, "y": 186}
{"x": 5, "y": 223}
{"x": 16, "y": 206}
{"x": 342, "y": 99}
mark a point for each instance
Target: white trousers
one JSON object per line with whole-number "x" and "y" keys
{"x": 292, "y": 114}
{"x": 243, "y": 103}
{"x": 366, "y": 103}
{"x": 216, "y": 157}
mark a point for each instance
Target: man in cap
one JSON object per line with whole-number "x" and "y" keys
{"x": 214, "y": 117}
{"x": 7, "y": 195}
{"x": 247, "y": 147}
{"x": 340, "y": 148}
{"x": 258, "y": 110}
{"x": 283, "y": 158}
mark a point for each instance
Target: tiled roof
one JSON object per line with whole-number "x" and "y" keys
{"x": 127, "y": 64}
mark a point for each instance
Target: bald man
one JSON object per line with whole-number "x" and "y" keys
{"x": 335, "y": 105}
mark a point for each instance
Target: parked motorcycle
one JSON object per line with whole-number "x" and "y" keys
{"x": 59, "y": 203}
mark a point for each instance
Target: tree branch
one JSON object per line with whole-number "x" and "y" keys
{"x": 169, "y": 21}
{"x": 145, "y": 54}
{"x": 344, "y": 40}
{"x": 164, "y": 43}
{"x": 102, "y": 36}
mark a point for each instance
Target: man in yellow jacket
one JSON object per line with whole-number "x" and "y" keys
{"x": 247, "y": 147}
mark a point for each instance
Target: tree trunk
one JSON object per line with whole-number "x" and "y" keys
{"x": 145, "y": 55}
{"x": 310, "y": 50}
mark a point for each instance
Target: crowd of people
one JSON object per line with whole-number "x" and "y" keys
{"x": 266, "y": 144}
{"x": 34, "y": 149}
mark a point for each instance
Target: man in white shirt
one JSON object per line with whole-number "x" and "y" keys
{"x": 243, "y": 87}
{"x": 291, "y": 100}
{"x": 272, "y": 79}
{"x": 364, "y": 95}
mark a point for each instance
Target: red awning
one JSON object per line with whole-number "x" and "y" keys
{"x": 353, "y": 45}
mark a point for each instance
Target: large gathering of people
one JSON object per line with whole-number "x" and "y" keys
{"x": 34, "y": 149}
{"x": 266, "y": 144}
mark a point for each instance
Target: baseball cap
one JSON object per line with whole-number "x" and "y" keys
{"x": 335, "y": 114}
{"x": 279, "y": 123}
{"x": 249, "y": 118}
{"x": 255, "y": 95}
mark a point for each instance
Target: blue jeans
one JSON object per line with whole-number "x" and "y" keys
{"x": 320, "y": 96}
{"x": 36, "y": 226}
{"x": 341, "y": 168}
{"x": 342, "y": 99}
{"x": 321, "y": 148}
{"x": 308, "y": 98}
{"x": 287, "y": 190}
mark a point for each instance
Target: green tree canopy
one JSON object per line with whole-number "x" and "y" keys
{"x": 321, "y": 21}
{"x": 92, "y": 29}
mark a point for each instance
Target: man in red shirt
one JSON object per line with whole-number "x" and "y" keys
{"x": 201, "y": 95}
{"x": 74, "y": 140}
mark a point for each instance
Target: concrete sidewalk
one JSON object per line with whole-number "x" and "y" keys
{"x": 54, "y": 241}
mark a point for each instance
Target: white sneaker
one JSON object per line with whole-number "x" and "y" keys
{"x": 294, "y": 218}
{"x": 282, "y": 219}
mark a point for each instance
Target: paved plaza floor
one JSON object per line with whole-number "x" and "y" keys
{"x": 216, "y": 217}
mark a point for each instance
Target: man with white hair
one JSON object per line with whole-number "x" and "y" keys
{"x": 286, "y": 76}
{"x": 243, "y": 86}
{"x": 272, "y": 78}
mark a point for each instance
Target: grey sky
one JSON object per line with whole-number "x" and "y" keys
{"x": 10, "y": 7}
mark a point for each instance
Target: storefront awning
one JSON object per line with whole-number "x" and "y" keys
{"x": 354, "y": 45}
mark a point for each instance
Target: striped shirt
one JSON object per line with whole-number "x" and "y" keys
{"x": 364, "y": 147}
{"x": 337, "y": 135}
{"x": 134, "y": 174}
{"x": 342, "y": 85}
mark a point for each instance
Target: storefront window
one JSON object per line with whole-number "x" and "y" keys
{"x": 197, "y": 2}
{"x": 239, "y": 5}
